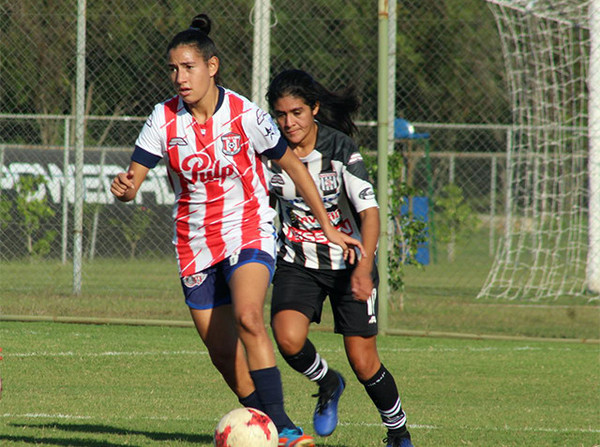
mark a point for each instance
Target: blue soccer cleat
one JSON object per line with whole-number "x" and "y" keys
{"x": 325, "y": 417}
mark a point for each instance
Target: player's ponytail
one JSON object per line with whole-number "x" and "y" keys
{"x": 202, "y": 23}
{"x": 335, "y": 108}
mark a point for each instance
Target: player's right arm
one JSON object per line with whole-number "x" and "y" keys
{"x": 126, "y": 184}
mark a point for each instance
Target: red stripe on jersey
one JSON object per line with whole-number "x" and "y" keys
{"x": 184, "y": 252}
{"x": 215, "y": 193}
{"x": 251, "y": 206}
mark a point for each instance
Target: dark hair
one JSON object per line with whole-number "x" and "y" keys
{"x": 197, "y": 36}
{"x": 335, "y": 108}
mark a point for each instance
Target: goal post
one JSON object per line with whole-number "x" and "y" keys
{"x": 549, "y": 249}
{"x": 593, "y": 259}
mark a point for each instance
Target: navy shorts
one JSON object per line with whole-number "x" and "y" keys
{"x": 303, "y": 289}
{"x": 209, "y": 288}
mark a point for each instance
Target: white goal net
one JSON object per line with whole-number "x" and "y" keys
{"x": 543, "y": 254}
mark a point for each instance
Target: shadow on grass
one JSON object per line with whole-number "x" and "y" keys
{"x": 105, "y": 429}
{"x": 57, "y": 441}
{"x": 102, "y": 429}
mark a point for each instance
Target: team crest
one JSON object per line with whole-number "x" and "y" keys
{"x": 277, "y": 179}
{"x": 329, "y": 181}
{"x": 194, "y": 280}
{"x": 231, "y": 143}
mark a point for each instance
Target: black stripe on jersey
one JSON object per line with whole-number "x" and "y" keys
{"x": 323, "y": 256}
{"x": 299, "y": 257}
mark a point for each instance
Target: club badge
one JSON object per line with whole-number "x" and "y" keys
{"x": 328, "y": 181}
{"x": 231, "y": 143}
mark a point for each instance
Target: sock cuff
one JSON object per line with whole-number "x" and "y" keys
{"x": 308, "y": 350}
{"x": 264, "y": 373}
{"x": 381, "y": 373}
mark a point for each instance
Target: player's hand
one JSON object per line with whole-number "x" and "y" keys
{"x": 348, "y": 244}
{"x": 362, "y": 283}
{"x": 122, "y": 183}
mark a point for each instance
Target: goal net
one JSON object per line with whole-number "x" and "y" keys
{"x": 543, "y": 252}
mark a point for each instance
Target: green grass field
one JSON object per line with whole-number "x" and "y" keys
{"x": 471, "y": 372}
{"x": 437, "y": 299}
{"x": 118, "y": 385}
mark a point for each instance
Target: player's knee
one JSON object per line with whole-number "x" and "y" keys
{"x": 364, "y": 366}
{"x": 250, "y": 323}
{"x": 288, "y": 343}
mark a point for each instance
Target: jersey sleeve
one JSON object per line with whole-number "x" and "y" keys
{"x": 356, "y": 180}
{"x": 264, "y": 133}
{"x": 151, "y": 139}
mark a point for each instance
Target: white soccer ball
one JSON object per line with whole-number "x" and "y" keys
{"x": 246, "y": 427}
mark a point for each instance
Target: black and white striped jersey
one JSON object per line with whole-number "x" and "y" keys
{"x": 340, "y": 175}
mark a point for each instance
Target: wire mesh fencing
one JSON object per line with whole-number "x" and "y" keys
{"x": 450, "y": 84}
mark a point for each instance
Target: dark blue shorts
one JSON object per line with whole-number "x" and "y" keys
{"x": 209, "y": 288}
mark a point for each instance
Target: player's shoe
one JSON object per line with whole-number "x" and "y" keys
{"x": 398, "y": 440}
{"x": 325, "y": 417}
{"x": 295, "y": 437}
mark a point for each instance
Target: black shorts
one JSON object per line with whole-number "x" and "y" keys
{"x": 303, "y": 289}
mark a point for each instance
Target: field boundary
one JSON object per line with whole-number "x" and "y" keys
{"x": 190, "y": 324}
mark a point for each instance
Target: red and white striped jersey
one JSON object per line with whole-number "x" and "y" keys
{"x": 218, "y": 175}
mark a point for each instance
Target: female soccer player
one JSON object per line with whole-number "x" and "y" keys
{"x": 213, "y": 142}
{"x": 317, "y": 124}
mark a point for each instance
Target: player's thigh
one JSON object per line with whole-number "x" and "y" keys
{"x": 248, "y": 285}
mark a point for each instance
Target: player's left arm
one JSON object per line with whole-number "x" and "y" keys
{"x": 360, "y": 193}
{"x": 361, "y": 279}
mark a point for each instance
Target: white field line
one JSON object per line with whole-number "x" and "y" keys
{"x": 7, "y": 354}
{"x": 346, "y": 424}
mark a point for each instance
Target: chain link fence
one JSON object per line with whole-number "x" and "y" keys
{"x": 449, "y": 84}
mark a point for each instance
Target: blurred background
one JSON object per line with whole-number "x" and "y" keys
{"x": 489, "y": 146}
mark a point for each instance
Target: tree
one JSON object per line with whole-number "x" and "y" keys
{"x": 32, "y": 214}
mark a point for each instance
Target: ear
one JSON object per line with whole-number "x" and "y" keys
{"x": 213, "y": 66}
{"x": 315, "y": 109}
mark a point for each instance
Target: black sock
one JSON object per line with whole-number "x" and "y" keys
{"x": 309, "y": 362}
{"x": 251, "y": 401}
{"x": 270, "y": 392}
{"x": 382, "y": 390}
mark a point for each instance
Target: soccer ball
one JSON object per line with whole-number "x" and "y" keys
{"x": 246, "y": 427}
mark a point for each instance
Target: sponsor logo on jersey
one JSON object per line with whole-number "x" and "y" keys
{"x": 269, "y": 132}
{"x": 367, "y": 193}
{"x": 277, "y": 179}
{"x": 202, "y": 168}
{"x": 231, "y": 143}
{"x": 177, "y": 141}
{"x": 328, "y": 182}
{"x": 314, "y": 234}
{"x": 260, "y": 116}
{"x": 355, "y": 158}
{"x": 194, "y": 280}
